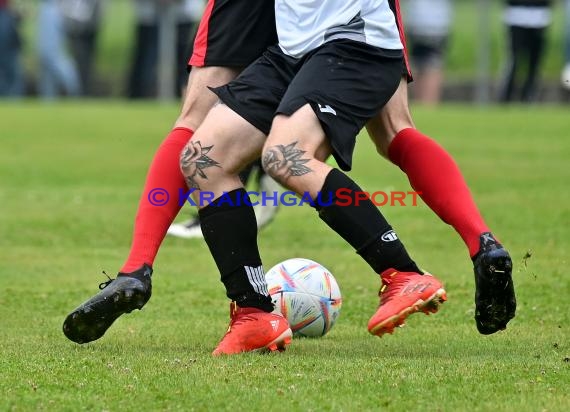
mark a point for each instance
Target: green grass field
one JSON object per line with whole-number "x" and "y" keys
{"x": 70, "y": 178}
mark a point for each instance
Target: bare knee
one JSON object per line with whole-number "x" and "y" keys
{"x": 274, "y": 162}
{"x": 284, "y": 156}
{"x": 189, "y": 165}
{"x": 198, "y": 99}
{"x": 221, "y": 147}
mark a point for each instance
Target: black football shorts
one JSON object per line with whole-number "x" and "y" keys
{"x": 346, "y": 83}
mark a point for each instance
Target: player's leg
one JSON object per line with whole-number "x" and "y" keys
{"x": 154, "y": 216}
{"x": 211, "y": 163}
{"x": 158, "y": 206}
{"x": 295, "y": 154}
{"x": 223, "y": 145}
{"x": 216, "y": 59}
{"x": 425, "y": 163}
{"x": 298, "y": 164}
{"x": 213, "y": 65}
{"x": 198, "y": 100}
{"x": 313, "y": 123}
{"x": 430, "y": 169}
{"x": 232, "y": 34}
{"x": 434, "y": 174}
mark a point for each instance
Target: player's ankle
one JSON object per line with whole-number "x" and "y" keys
{"x": 255, "y": 300}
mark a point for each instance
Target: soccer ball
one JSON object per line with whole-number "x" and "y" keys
{"x": 307, "y": 294}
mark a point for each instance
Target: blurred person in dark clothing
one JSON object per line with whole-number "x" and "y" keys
{"x": 11, "y": 72}
{"x": 142, "y": 74}
{"x": 82, "y": 21}
{"x": 527, "y": 22}
{"x": 189, "y": 13}
{"x": 142, "y": 81}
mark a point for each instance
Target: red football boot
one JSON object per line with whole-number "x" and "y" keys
{"x": 402, "y": 294}
{"x": 252, "y": 329}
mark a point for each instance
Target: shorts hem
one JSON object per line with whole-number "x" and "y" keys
{"x": 225, "y": 97}
{"x": 296, "y": 104}
{"x": 218, "y": 63}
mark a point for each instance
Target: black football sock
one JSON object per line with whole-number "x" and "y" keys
{"x": 361, "y": 224}
{"x": 230, "y": 230}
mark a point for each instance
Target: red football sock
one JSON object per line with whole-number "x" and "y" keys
{"x": 153, "y": 220}
{"x": 434, "y": 173}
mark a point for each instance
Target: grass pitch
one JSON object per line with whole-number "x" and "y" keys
{"x": 70, "y": 179}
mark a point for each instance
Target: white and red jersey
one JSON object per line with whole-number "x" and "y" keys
{"x": 304, "y": 25}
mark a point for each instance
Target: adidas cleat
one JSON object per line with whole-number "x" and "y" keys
{"x": 252, "y": 329}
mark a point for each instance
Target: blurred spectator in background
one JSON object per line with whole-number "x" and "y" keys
{"x": 143, "y": 71}
{"x": 427, "y": 26}
{"x": 566, "y": 70}
{"x": 57, "y": 72}
{"x": 11, "y": 72}
{"x": 526, "y": 22}
{"x": 189, "y": 14}
{"x": 142, "y": 74}
{"x": 82, "y": 20}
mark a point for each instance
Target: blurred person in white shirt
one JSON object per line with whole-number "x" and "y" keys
{"x": 428, "y": 26}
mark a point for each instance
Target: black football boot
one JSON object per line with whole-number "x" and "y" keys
{"x": 495, "y": 302}
{"x": 122, "y": 295}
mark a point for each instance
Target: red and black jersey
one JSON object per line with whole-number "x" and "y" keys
{"x": 233, "y": 33}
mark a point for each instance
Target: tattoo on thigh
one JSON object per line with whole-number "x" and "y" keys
{"x": 285, "y": 161}
{"x": 194, "y": 160}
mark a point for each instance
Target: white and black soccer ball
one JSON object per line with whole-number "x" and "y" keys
{"x": 307, "y": 294}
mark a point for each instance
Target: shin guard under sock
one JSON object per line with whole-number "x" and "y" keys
{"x": 362, "y": 225}
{"x": 433, "y": 173}
{"x": 230, "y": 230}
{"x": 154, "y": 216}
